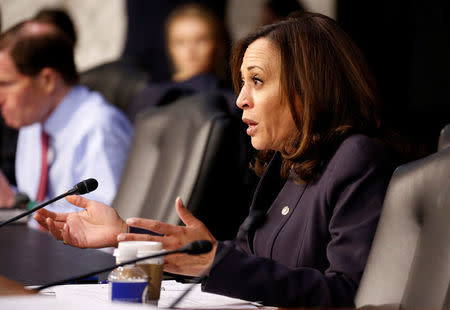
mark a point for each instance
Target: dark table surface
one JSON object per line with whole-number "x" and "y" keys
{"x": 33, "y": 257}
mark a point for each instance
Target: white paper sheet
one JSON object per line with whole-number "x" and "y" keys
{"x": 42, "y": 302}
{"x": 87, "y": 296}
{"x": 171, "y": 290}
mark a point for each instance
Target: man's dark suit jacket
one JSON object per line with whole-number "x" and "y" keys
{"x": 313, "y": 247}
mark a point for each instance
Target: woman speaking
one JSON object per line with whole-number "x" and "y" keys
{"x": 312, "y": 112}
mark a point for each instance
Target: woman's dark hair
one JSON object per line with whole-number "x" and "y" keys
{"x": 329, "y": 88}
{"x": 32, "y": 52}
{"x": 61, "y": 19}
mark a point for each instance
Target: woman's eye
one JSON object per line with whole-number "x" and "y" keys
{"x": 256, "y": 80}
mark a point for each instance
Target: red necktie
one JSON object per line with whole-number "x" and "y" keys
{"x": 44, "y": 167}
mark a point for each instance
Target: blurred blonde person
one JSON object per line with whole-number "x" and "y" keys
{"x": 196, "y": 46}
{"x": 195, "y": 42}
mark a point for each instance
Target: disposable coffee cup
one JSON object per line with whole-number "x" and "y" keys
{"x": 153, "y": 267}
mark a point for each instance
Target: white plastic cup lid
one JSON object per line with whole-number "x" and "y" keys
{"x": 128, "y": 250}
{"x": 123, "y": 254}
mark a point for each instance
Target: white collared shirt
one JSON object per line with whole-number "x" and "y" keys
{"x": 89, "y": 138}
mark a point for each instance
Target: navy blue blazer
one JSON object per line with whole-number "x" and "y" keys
{"x": 313, "y": 247}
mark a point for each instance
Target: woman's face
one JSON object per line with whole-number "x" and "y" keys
{"x": 265, "y": 111}
{"x": 191, "y": 46}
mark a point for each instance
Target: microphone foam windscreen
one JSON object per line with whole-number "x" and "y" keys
{"x": 87, "y": 186}
{"x": 199, "y": 247}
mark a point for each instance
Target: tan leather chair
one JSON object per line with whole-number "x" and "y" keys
{"x": 409, "y": 263}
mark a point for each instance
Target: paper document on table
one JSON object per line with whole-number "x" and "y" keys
{"x": 42, "y": 302}
{"x": 98, "y": 294}
{"x": 94, "y": 292}
{"x": 170, "y": 290}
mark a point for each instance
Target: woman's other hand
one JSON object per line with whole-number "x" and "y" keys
{"x": 96, "y": 226}
{"x": 176, "y": 237}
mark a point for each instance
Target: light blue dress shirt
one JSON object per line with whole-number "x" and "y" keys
{"x": 89, "y": 138}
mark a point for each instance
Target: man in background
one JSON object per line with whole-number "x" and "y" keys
{"x": 8, "y": 136}
{"x": 66, "y": 132}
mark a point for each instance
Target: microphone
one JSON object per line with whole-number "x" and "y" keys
{"x": 197, "y": 247}
{"x": 81, "y": 188}
{"x": 254, "y": 220}
{"x": 193, "y": 248}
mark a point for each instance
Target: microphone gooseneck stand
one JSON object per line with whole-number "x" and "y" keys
{"x": 81, "y": 188}
{"x": 193, "y": 248}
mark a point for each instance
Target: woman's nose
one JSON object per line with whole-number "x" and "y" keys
{"x": 244, "y": 101}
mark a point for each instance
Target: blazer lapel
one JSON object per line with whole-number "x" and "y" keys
{"x": 266, "y": 191}
{"x": 278, "y": 215}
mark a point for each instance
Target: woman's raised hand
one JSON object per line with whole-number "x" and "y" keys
{"x": 175, "y": 237}
{"x": 96, "y": 226}
{"x": 99, "y": 225}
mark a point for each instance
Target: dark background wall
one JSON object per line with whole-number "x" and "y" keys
{"x": 407, "y": 44}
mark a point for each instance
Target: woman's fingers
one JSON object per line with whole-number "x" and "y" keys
{"x": 152, "y": 225}
{"x": 184, "y": 213}
{"x": 164, "y": 228}
{"x": 61, "y": 217}
{"x": 65, "y": 235}
{"x": 168, "y": 243}
{"x": 139, "y": 237}
{"x": 59, "y": 225}
{"x": 54, "y": 230}
{"x": 42, "y": 220}
{"x": 78, "y": 201}
{"x": 70, "y": 237}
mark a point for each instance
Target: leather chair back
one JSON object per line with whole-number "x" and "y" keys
{"x": 444, "y": 138}
{"x": 409, "y": 263}
{"x": 190, "y": 148}
{"x": 118, "y": 81}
